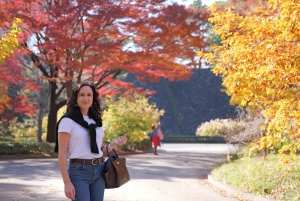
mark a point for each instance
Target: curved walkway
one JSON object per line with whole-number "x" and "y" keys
{"x": 179, "y": 172}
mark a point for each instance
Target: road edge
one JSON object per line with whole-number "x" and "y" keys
{"x": 231, "y": 190}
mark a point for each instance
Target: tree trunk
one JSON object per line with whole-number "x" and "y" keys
{"x": 40, "y": 120}
{"x": 52, "y": 116}
{"x": 68, "y": 85}
{"x": 43, "y": 102}
{"x": 51, "y": 127}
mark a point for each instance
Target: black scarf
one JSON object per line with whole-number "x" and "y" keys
{"x": 76, "y": 116}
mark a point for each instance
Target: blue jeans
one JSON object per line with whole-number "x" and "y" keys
{"x": 88, "y": 181}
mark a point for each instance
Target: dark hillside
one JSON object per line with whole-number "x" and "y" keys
{"x": 189, "y": 103}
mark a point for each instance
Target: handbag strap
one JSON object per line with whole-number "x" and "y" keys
{"x": 109, "y": 155}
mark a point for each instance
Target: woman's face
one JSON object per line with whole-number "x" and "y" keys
{"x": 85, "y": 97}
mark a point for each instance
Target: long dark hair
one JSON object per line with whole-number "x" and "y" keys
{"x": 95, "y": 111}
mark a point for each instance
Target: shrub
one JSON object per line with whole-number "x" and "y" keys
{"x": 135, "y": 145}
{"x": 130, "y": 115}
{"x": 253, "y": 127}
{"x": 14, "y": 130}
{"x": 220, "y": 127}
{"x": 193, "y": 139}
{"x": 7, "y": 128}
{"x": 244, "y": 129}
{"x": 28, "y": 148}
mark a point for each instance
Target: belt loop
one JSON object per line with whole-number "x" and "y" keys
{"x": 84, "y": 162}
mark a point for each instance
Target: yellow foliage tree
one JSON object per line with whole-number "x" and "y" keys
{"x": 131, "y": 116}
{"x": 9, "y": 41}
{"x": 259, "y": 63}
{"x": 7, "y": 44}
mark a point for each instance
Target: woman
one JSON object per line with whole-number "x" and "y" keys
{"x": 155, "y": 138}
{"x": 79, "y": 138}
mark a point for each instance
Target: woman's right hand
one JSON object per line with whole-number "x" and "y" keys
{"x": 70, "y": 191}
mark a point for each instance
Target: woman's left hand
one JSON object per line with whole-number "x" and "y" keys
{"x": 120, "y": 140}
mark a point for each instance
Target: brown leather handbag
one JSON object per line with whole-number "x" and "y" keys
{"x": 115, "y": 172}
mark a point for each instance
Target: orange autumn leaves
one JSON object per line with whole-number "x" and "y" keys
{"x": 4, "y": 100}
{"x": 259, "y": 62}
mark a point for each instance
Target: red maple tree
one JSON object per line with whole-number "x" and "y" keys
{"x": 71, "y": 41}
{"x": 12, "y": 74}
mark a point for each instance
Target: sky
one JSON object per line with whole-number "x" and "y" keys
{"x": 188, "y": 2}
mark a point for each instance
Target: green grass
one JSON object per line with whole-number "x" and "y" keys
{"x": 262, "y": 176}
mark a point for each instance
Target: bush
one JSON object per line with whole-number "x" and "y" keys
{"x": 220, "y": 127}
{"x": 14, "y": 130}
{"x": 244, "y": 129}
{"x": 253, "y": 127}
{"x": 7, "y": 128}
{"x": 143, "y": 145}
{"x": 29, "y": 148}
{"x": 193, "y": 139}
{"x": 130, "y": 115}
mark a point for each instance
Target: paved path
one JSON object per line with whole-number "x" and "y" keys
{"x": 178, "y": 173}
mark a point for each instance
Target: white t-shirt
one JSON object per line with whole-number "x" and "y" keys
{"x": 79, "y": 142}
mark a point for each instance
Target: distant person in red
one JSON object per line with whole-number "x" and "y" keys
{"x": 155, "y": 138}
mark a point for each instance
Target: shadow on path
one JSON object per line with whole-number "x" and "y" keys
{"x": 175, "y": 174}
